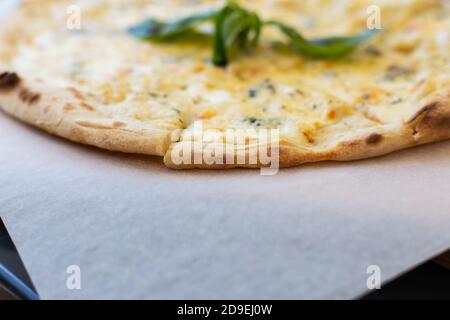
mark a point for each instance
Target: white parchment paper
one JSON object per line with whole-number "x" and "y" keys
{"x": 139, "y": 230}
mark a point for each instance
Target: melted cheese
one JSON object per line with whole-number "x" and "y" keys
{"x": 175, "y": 84}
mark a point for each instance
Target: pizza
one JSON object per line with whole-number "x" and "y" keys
{"x": 103, "y": 73}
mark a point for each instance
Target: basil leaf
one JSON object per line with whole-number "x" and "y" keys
{"x": 234, "y": 26}
{"x": 324, "y": 48}
{"x": 337, "y": 47}
{"x": 157, "y": 30}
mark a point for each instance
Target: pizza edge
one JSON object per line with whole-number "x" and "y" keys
{"x": 63, "y": 112}
{"x": 430, "y": 124}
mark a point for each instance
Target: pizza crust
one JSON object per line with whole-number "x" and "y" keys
{"x": 430, "y": 124}
{"x": 65, "y": 113}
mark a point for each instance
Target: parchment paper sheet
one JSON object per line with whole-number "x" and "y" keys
{"x": 139, "y": 230}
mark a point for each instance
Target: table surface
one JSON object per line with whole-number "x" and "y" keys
{"x": 10, "y": 259}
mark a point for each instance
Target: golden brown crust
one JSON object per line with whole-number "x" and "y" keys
{"x": 430, "y": 124}
{"x": 63, "y": 112}
{"x": 8, "y": 81}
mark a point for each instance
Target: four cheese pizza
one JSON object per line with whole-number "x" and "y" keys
{"x": 137, "y": 76}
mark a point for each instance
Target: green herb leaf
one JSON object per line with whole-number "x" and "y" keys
{"x": 324, "y": 48}
{"x": 234, "y": 26}
{"x": 156, "y": 30}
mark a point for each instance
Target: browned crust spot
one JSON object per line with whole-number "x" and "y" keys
{"x": 87, "y": 106}
{"x": 435, "y": 118}
{"x": 432, "y": 120}
{"x": 69, "y": 107}
{"x": 374, "y": 138}
{"x": 442, "y": 122}
{"x": 28, "y": 96}
{"x": 119, "y": 124}
{"x": 9, "y": 80}
{"x": 428, "y": 108}
{"x": 77, "y": 94}
{"x": 308, "y": 137}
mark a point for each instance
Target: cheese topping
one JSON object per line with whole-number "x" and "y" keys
{"x": 175, "y": 84}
